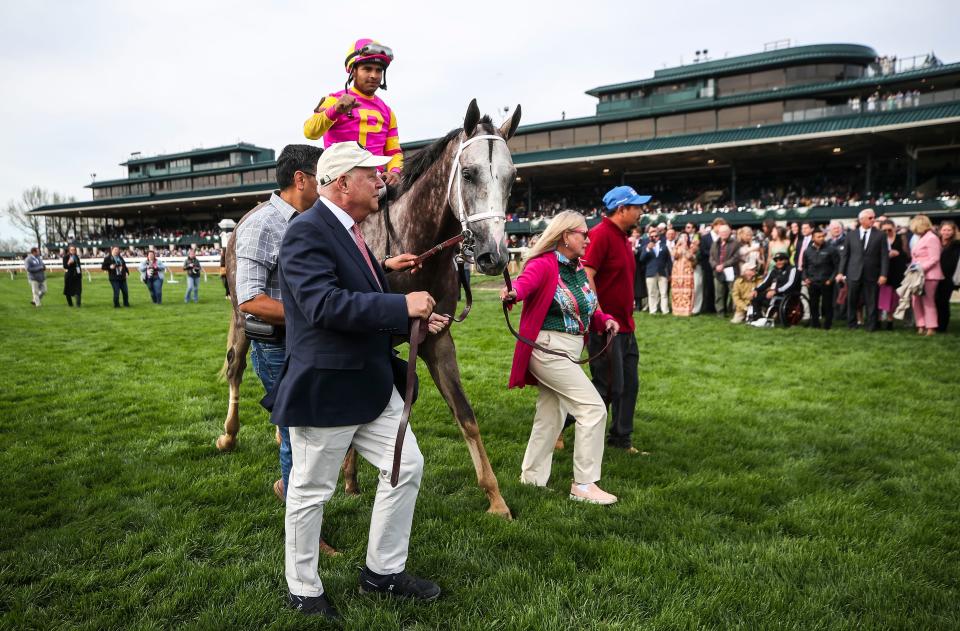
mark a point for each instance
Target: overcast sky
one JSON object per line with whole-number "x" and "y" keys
{"x": 84, "y": 84}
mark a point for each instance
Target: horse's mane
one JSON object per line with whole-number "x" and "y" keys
{"x": 417, "y": 164}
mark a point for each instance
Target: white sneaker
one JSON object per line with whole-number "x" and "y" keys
{"x": 592, "y": 495}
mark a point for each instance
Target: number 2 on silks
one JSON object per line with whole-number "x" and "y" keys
{"x": 371, "y": 122}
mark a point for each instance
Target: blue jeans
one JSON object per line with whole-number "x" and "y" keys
{"x": 155, "y": 285}
{"x": 193, "y": 286}
{"x": 120, "y": 285}
{"x": 267, "y": 362}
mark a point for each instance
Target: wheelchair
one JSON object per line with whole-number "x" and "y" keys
{"x": 786, "y": 310}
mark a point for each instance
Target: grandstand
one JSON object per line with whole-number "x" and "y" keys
{"x": 794, "y": 132}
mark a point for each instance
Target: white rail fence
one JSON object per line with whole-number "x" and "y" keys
{"x": 208, "y": 265}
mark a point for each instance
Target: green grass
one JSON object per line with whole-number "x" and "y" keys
{"x": 799, "y": 480}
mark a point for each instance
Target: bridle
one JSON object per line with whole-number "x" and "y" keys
{"x": 466, "y": 248}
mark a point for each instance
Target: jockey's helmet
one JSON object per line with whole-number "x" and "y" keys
{"x": 368, "y": 51}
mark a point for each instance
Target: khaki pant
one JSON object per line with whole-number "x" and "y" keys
{"x": 658, "y": 293}
{"x": 564, "y": 389}
{"x": 317, "y": 455}
{"x": 39, "y": 289}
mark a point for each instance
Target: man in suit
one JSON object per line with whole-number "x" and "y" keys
{"x": 654, "y": 258}
{"x": 724, "y": 255}
{"x": 864, "y": 263}
{"x": 341, "y": 383}
{"x": 837, "y": 238}
{"x": 706, "y": 242}
{"x": 37, "y": 275}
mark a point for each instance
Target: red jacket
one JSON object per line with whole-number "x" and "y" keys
{"x": 536, "y": 287}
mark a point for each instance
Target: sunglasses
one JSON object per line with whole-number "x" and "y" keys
{"x": 582, "y": 232}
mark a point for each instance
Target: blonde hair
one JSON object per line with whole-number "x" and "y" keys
{"x": 920, "y": 225}
{"x": 550, "y": 238}
{"x": 744, "y": 231}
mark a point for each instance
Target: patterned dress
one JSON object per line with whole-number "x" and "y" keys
{"x": 681, "y": 282}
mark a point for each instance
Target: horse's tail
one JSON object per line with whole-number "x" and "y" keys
{"x": 222, "y": 375}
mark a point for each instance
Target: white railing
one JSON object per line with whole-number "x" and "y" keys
{"x": 208, "y": 265}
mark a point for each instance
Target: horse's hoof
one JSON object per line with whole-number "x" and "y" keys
{"x": 351, "y": 489}
{"x": 226, "y": 442}
{"x": 502, "y": 511}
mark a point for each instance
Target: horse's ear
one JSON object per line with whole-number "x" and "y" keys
{"x": 471, "y": 119}
{"x": 509, "y": 127}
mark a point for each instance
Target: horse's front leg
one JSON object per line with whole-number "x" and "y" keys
{"x": 236, "y": 363}
{"x": 349, "y": 469}
{"x": 440, "y": 354}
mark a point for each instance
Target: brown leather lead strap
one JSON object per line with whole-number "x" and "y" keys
{"x": 542, "y": 349}
{"x": 467, "y": 294}
{"x": 418, "y": 329}
{"x": 440, "y": 247}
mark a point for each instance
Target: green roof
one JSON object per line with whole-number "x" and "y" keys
{"x": 176, "y": 176}
{"x": 854, "y": 53}
{"x": 840, "y": 123}
{"x": 263, "y": 187}
{"x": 240, "y": 146}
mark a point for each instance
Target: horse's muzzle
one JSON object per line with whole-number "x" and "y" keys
{"x": 491, "y": 263}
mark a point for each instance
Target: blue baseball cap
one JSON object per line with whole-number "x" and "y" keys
{"x": 624, "y": 196}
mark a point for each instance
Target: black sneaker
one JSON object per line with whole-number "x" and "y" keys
{"x": 402, "y": 585}
{"x": 312, "y": 606}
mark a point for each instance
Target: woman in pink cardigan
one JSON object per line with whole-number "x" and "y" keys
{"x": 925, "y": 254}
{"x": 559, "y": 306}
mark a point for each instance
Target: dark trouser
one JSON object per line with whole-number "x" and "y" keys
{"x": 867, "y": 291}
{"x": 839, "y": 309}
{"x": 821, "y": 303}
{"x": 615, "y": 378}
{"x": 708, "y": 273}
{"x": 721, "y": 292}
{"x": 267, "y": 362}
{"x": 942, "y": 300}
{"x": 120, "y": 285}
{"x": 70, "y": 300}
{"x": 155, "y": 285}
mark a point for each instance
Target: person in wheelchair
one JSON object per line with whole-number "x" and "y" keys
{"x": 781, "y": 282}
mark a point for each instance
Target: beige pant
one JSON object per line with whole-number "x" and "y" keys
{"x": 564, "y": 388}
{"x": 39, "y": 289}
{"x": 658, "y": 288}
{"x": 317, "y": 455}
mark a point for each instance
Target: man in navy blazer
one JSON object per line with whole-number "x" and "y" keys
{"x": 340, "y": 380}
{"x": 654, "y": 255}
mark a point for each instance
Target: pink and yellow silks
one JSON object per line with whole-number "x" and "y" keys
{"x": 373, "y": 125}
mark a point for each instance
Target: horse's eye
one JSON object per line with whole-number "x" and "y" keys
{"x": 467, "y": 175}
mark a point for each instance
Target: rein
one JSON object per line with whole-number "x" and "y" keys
{"x": 418, "y": 331}
{"x": 534, "y": 344}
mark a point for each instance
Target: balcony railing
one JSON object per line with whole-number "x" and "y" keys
{"x": 887, "y": 103}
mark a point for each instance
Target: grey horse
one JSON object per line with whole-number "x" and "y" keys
{"x": 460, "y": 182}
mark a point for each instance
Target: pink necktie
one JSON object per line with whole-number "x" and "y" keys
{"x": 358, "y": 238}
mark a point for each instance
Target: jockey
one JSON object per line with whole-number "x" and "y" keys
{"x": 373, "y": 124}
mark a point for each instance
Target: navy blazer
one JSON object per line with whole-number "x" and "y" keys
{"x": 655, "y": 265}
{"x": 340, "y": 367}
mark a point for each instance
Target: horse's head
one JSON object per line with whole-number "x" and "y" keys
{"x": 479, "y": 185}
